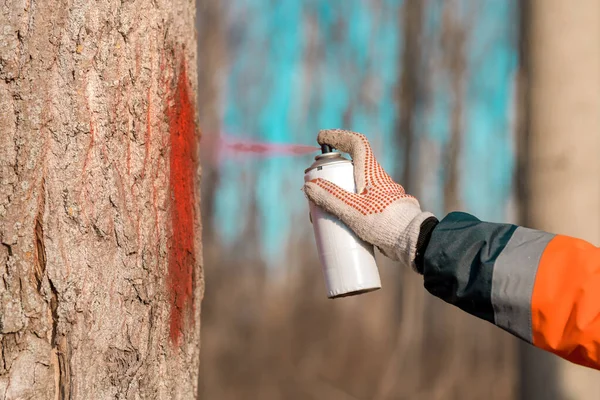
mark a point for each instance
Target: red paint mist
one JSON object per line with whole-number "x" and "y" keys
{"x": 237, "y": 146}
{"x": 183, "y": 161}
{"x": 219, "y": 146}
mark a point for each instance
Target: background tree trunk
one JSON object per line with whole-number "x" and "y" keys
{"x": 564, "y": 164}
{"x": 100, "y": 278}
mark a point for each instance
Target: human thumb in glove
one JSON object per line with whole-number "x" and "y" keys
{"x": 380, "y": 213}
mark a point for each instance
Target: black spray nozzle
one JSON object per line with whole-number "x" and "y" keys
{"x": 325, "y": 148}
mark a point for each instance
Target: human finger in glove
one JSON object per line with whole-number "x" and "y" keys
{"x": 541, "y": 287}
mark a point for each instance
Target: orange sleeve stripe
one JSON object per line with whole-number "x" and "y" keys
{"x": 565, "y": 304}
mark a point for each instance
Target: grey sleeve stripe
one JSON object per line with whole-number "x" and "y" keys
{"x": 513, "y": 279}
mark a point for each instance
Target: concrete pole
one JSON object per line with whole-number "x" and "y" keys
{"x": 564, "y": 142}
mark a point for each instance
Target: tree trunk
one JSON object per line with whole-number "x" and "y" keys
{"x": 564, "y": 148}
{"x": 101, "y": 277}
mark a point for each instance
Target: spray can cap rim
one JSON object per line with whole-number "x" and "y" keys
{"x": 327, "y": 159}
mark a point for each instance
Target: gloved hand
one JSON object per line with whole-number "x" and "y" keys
{"x": 380, "y": 213}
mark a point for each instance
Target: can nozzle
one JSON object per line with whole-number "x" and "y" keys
{"x": 325, "y": 148}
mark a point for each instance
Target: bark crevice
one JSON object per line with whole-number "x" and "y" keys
{"x": 40, "y": 264}
{"x": 60, "y": 348}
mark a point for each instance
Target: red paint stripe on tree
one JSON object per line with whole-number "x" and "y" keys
{"x": 183, "y": 162}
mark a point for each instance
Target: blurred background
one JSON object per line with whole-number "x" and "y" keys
{"x": 486, "y": 106}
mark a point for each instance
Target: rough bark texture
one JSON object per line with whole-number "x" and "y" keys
{"x": 100, "y": 272}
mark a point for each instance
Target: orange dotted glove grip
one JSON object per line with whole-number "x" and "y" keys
{"x": 381, "y": 212}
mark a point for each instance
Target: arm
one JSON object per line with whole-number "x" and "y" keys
{"x": 540, "y": 287}
{"x": 543, "y": 288}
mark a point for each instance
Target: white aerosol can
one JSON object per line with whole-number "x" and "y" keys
{"x": 348, "y": 263}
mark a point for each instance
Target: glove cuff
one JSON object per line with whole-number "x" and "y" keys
{"x": 406, "y": 247}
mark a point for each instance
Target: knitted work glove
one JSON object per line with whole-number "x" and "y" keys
{"x": 380, "y": 213}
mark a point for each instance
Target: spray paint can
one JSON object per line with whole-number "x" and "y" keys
{"x": 348, "y": 263}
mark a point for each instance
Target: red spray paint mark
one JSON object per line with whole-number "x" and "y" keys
{"x": 183, "y": 161}
{"x": 148, "y": 129}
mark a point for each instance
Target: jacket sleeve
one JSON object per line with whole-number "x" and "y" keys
{"x": 542, "y": 288}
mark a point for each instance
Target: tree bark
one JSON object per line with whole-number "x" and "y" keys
{"x": 100, "y": 273}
